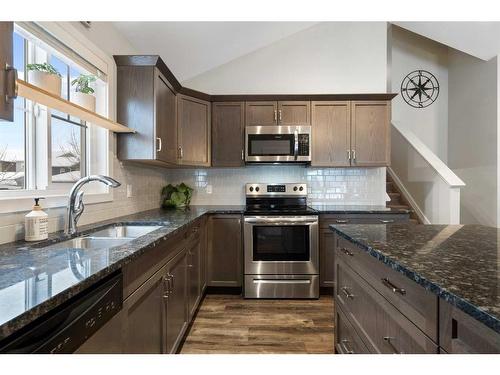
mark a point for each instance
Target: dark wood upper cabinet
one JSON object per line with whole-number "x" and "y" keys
{"x": 294, "y": 113}
{"x": 193, "y": 127}
{"x": 6, "y": 75}
{"x": 261, "y": 113}
{"x": 370, "y": 133}
{"x": 146, "y": 103}
{"x": 331, "y": 143}
{"x": 228, "y": 127}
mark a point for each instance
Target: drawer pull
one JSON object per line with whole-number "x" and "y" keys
{"x": 388, "y": 339}
{"x": 387, "y": 221}
{"x": 393, "y": 287}
{"x": 342, "y": 221}
{"x": 347, "y": 293}
{"x": 345, "y": 348}
{"x": 346, "y": 252}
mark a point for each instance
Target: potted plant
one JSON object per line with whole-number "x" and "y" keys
{"x": 45, "y": 76}
{"x": 177, "y": 196}
{"x": 83, "y": 92}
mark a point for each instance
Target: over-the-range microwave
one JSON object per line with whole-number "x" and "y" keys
{"x": 278, "y": 144}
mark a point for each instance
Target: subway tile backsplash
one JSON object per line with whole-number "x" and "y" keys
{"x": 325, "y": 185}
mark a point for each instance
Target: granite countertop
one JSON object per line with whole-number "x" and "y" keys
{"x": 459, "y": 263}
{"x": 35, "y": 277}
{"x": 355, "y": 209}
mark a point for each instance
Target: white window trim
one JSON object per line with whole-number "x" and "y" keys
{"x": 17, "y": 201}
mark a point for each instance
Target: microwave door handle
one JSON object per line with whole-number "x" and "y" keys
{"x": 296, "y": 144}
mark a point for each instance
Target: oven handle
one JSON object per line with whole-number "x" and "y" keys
{"x": 281, "y": 221}
{"x": 281, "y": 281}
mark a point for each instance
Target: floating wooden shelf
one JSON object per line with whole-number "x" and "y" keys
{"x": 50, "y": 100}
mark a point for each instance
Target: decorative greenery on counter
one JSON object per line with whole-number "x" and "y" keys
{"x": 45, "y": 68}
{"x": 177, "y": 196}
{"x": 82, "y": 83}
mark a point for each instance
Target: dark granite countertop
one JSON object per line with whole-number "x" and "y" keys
{"x": 459, "y": 263}
{"x": 355, "y": 209}
{"x": 35, "y": 277}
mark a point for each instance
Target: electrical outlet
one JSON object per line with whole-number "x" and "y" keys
{"x": 209, "y": 189}
{"x": 130, "y": 191}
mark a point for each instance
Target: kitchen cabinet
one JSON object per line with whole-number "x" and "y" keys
{"x": 331, "y": 134}
{"x": 459, "y": 333}
{"x": 146, "y": 103}
{"x": 225, "y": 251}
{"x": 327, "y": 243}
{"x": 228, "y": 127}
{"x": 351, "y": 133}
{"x": 370, "y": 133}
{"x": 144, "y": 317}
{"x": 176, "y": 301}
{"x": 194, "y": 259}
{"x": 268, "y": 113}
{"x": 193, "y": 131}
{"x": 6, "y": 75}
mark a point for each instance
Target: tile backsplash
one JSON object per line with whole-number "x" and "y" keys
{"x": 325, "y": 185}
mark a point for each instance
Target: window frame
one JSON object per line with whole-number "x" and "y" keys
{"x": 56, "y": 196}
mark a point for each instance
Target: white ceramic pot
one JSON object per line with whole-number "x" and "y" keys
{"x": 86, "y": 101}
{"x": 46, "y": 81}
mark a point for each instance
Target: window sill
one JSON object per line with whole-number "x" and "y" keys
{"x": 24, "y": 202}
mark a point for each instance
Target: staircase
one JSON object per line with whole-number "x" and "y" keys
{"x": 398, "y": 202}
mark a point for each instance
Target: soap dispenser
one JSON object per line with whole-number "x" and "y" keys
{"x": 36, "y": 224}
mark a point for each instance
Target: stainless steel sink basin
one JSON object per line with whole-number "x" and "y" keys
{"x": 125, "y": 231}
{"x": 107, "y": 237}
{"x": 91, "y": 243}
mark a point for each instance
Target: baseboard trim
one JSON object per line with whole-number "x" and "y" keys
{"x": 326, "y": 291}
{"x": 232, "y": 290}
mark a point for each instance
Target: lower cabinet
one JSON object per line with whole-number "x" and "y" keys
{"x": 225, "y": 251}
{"x": 194, "y": 277}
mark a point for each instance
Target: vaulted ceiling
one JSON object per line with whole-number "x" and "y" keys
{"x": 192, "y": 48}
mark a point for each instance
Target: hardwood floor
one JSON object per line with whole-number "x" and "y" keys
{"x": 230, "y": 324}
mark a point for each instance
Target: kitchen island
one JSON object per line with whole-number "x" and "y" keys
{"x": 444, "y": 281}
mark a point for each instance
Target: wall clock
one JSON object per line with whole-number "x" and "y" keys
{"x": 420, "y": 88}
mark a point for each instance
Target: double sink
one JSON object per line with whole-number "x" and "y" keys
{"x": 108, "y": 237}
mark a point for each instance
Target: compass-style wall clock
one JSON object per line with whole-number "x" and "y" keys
{"x": 420, "y": 88}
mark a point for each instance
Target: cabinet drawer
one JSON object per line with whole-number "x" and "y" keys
{"x": 459, "y": 333}
{"x": 331, "y": 219}
{"x": 383, "y": 328}
{"x": 417, "y": 304}
{"x": 347, "y": 340}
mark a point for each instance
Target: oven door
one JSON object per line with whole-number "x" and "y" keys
{"x": 281, "y": 245}
{"x": 265, "y": 144}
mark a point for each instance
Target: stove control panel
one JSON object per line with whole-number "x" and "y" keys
{"x": 289, "y": 189}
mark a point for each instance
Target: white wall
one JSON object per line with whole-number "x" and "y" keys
{"x": 331, "y": 57}
{"x": 473, "y": 135}
{"x": 412, "y": 52}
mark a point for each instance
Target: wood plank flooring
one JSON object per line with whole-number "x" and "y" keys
{"x": 230, "y": 324}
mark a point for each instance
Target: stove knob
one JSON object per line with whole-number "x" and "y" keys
{"x": 251, "y": 188}
{"x": 295, "y": 188}
{"x": 301, "y": 188}
{"x": 257, "y": 189}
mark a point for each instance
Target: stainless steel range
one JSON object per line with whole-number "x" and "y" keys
{"x": 280, "y": 242}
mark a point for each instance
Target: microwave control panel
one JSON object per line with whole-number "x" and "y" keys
{"x": 303, "y": 144}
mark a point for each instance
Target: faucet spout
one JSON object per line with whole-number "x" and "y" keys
{"x": 75, "y": 202}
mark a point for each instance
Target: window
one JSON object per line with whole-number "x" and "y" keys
{"x": 44, "y": 151}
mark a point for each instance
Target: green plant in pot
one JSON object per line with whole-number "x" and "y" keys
{"x": 83, "y": 91}
{"x": 45, "y": 76}
{"x": 176, "y": 196}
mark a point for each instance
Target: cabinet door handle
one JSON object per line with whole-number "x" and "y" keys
{"x": 389, "y": 340}
{"x": 345, "y": 348}
{"x": 159, "y": 144}
{"x": 393, "y": 287}
{"x": 346, "y": 252}
{"x": 10, "y": 83}
{"x": 180, "y": 152}
{"x": 348, "y": 154}
{"x": 242, "y": 155}
{"x": 171, "y": 283}
{"x": 166, "y": 287}
{"x": 275, "y": 116}
{"x": 280, "y": 117}
{"x": 387, "y": 221}
{"x": 342, "y": 221}
{"x": 354, "y": 155}
{"x": 347, "y": 293}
